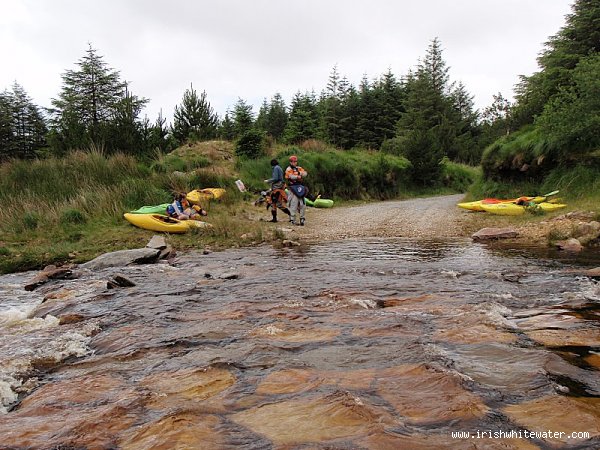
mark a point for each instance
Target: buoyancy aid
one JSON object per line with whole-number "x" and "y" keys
{"x": 293, "y": 174}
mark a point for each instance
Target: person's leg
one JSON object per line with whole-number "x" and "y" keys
{"x": 302, "y": 207}
{"x": 293, "y": 206}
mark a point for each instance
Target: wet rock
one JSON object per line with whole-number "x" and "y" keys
{"x": 119, "y": 281}
{"x": 558, "y": 414}
{"x": 290, "y": 381}
{"x": 290, "y": 243}
{"x": 186, "y": 387}
{"x": 586, "y": 229}
{"x": 508, "y": 369}
{"x": 570, "y": 245}
{"x": 426, "y": 395}
{"x": 281, "y": 332}
{"x": 183, "y": 430}
{"x": 586, "y": 337}
{"x": 71, "y": 318}
{"x": 157, "y": 242}
{"x": 122, "y": 258}
{"x": 592, "y": 273}
{"x": 593, "y": 360}
{"x": 486, "y": 234}
{"x": 318, "y": 419}
{"x": 167, "y": 253}
{"x": 51, "y": 273}
{"x": 81, "y": 412}
{"x": 229, "y": 276}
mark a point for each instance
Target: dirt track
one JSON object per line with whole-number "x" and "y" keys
{"x": 433, "y": 217}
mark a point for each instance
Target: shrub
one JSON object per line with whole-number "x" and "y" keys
{"x": 73, "y": 216}
{"x": 250, "y": 144}
{"x": 31, "y": 220}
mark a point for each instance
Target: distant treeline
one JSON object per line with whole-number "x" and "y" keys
{"x": 422, "y": 115}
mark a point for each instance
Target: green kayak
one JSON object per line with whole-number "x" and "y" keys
{"x": 319, "y": 203}
{"x": 158, "y": 209}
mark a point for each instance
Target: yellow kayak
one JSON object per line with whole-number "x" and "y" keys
{"x": 510, "y": 209}
{"x": 197, "y": 196}
{"x": 164, "y": 224}
{"x": 477, "y": 205}
{"x": 503, "y": 209}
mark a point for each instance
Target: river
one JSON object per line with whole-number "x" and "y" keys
{"x": 358, "y": 343}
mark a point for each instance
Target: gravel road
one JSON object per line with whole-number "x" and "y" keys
{"x": 432, "y": 217}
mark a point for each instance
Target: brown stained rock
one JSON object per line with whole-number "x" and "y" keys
{"x": 186, "y": 387}
{"x": 585, "y": 337}
{"x": 487, "y": 234}
{"x": 425, "y": 395}
{"x": 51, "y": 273}
{"x": 83, "y": 412}
{"x": 70, "y": 318}
{"x": 373, "y": 331}
{"x": 317, "y": 419}
{"x": 558, "y": 414}
{"x": 570, "y": 245}
{"x": 183, "y": 430}
{"x": 301, "y": 380}
{"x": 282, "y": 332}
{"x": 475, "y": 334}
{"x": 593, "y": 360}
{"x": 547, "y": 321}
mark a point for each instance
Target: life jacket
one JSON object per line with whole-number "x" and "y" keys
{"x": 299, "y": 190}
{"x": 175, "y": 208}
{"x": 294, "y": 171}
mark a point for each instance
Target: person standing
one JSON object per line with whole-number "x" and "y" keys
{"x": 295, "y": 176}
{"x": 277, "y": 197}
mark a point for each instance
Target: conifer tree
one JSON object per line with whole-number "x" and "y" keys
{"x": 243, "y": 118}
{"x": 304, "y": 119}
{"x": 195, "y": 118}
{"x": 87, "y": 101}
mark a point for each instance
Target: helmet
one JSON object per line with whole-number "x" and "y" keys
{"x": 293, "y": 158}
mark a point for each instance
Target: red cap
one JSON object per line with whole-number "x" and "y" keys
{"x": 293, "y": 158}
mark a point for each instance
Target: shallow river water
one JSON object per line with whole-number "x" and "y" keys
{"x": 352, "y": 344}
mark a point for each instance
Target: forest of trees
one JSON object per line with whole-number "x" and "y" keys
{"x": 421, "y": 115}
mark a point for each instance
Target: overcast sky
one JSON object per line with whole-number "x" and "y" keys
{"x": 255, "y": 48}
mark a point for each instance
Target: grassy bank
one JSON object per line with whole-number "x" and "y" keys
{"x": 71, "y": 209}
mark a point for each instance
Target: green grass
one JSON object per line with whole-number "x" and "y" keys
{"x": 71, "y": 209}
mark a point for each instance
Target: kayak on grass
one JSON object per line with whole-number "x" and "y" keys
{"x": 162, "y": 223}
{"x": 197, "y": 196}
{"x": 158, "y": 209}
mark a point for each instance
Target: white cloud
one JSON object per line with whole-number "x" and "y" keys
{"x": 252, "y": 49}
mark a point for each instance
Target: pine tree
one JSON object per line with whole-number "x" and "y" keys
{"x": 577, "y": 39}
{"x": 22, "y": 125}
{"x": 277, "y": 117}
{"x": 304, "y": 119}
{"x": 330, "y": 106}
{"x": 243, "y": 118}
{"x": 195, "y": 118}
{"x": 226, "y": 130}
{"x": 87, "y": 101}
{"x": 427, "y": 130}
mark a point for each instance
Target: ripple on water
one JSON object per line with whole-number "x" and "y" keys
{"x": 380, "y": 343}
